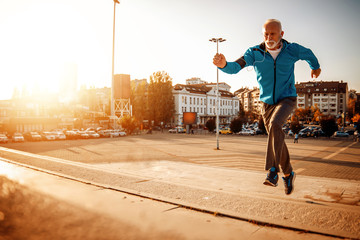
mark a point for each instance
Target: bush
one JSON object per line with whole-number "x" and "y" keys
{"x": 295, "y": 127}
{"x": 236, "y": 125}
{"x": 329, "y": 126}
{"x": 211, "y": 125}
{"x": 129, "y": 123}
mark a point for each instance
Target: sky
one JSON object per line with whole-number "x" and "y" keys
{"x": 39, "y": 38}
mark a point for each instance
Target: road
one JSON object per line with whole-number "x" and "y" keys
{"x": 310, "y": 157}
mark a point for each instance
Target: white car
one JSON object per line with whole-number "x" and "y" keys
{"x": 177, "y": 130}
{"x": 121, "y": 133}
{"x": 247, "y": 132}
{"x": 49, "y": 136}
{"x": 59, "y": 135}
{"x": 92, "y": 134}
{"x": 3, "y": 138}
{"x": 18, "y": 137}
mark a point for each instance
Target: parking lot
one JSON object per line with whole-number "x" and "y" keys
{"x": 312, "y": 157}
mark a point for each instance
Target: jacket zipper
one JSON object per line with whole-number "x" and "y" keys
{"x": 274, "y": 81}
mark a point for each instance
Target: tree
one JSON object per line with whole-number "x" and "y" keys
{"x": 139, "y": 101}
{"x": 351, "y": 107}
{"x": 161, "y": 102}
{"x": 329, "y": 126}
{"x": 302, "y": 114}
{"x": 210, "y": 124}
{"x": 236, "y": 125}
{"x": 316, "y": 113}
{"x": 356, "y": 118}
{"x": 128, "y": 123}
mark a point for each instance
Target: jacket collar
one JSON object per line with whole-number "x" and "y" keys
{"x": 263, "y": 47}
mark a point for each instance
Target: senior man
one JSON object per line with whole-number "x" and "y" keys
{"x": 273, "y": 61}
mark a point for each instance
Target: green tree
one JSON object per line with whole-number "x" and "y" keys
{"x": 128, "y": 123}
{"x": 139, "y": 100}
{"x": 236, "y": 124}
{"x": 329, "y": 126}
{"x": 161, "y": 104}
{"x": 211, "y": 125}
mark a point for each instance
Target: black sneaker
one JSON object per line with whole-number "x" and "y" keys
{"x": 271, "y": 178}
{"x": 289, "y": 183}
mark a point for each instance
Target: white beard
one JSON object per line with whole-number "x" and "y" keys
{"x": 271, "y": 44}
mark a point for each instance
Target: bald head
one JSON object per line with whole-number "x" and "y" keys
{"x": 273, "y": 34}
{"x": 273, "y": 23}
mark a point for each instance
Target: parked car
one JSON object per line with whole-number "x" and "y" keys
{"x": 48, "y": 136}
{"x": 18, "y": 137}
{"x": 83, "y": 135}
{"x": 3, "y": 138}
{"x": 341, "y": 134}
{"x": 305, "y": 132}
{"x": 105, "y": 133}
{"x": 317, "y": 133}
{"x": 350, "y": 132}
{"x": 225, "y": 131}
{"x": 32, "y": 136}
{"x": 92, "y": 134}
{"x": 59, "y": 135}
{"x": 247, "y": 132}
{"x": 71, "y": 135}
{"x": 177, "y": 130}
{"x": 121, "y": 133}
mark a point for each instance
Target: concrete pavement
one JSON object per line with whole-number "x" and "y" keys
{"x": 329, "y": 207}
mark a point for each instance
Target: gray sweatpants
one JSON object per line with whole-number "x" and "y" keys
{"x": 274, "y": 117}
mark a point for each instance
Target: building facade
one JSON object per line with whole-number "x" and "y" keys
{"x": 331, "y": 97}
{"x": 249, "y": 99}
{"x": 199, "y": 97}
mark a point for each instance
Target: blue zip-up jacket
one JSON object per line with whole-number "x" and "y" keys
{"x": 275, "y": 77}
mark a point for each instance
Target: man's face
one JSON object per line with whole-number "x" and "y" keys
{"x": 272, "y": 35}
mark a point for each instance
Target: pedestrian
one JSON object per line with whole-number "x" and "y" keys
{"x": 273, "y": 61}
{"x": 296, "y": 138}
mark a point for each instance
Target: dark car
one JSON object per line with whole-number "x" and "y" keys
{"x": 350, "y": 132}
{"x": 305, "y": 132}
{"x": 340, "y": 134}
{"x": 317, "y": 133}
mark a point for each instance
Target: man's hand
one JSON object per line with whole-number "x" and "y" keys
{"x": 315, "y": 73}
{"x": 219, "y": 60}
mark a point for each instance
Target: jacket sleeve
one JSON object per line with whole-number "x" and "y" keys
{"x": 235, "y": 67}
{"x": 307, "y": 55}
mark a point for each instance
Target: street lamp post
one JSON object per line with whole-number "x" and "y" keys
{"x": 217, "y": 40}
{"x": 112, "y": 73}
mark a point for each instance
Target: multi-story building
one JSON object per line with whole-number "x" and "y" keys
{"x": 199, "y": 97}
{"x": 249, "y": 99}
{"x": 330, "y": 97}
